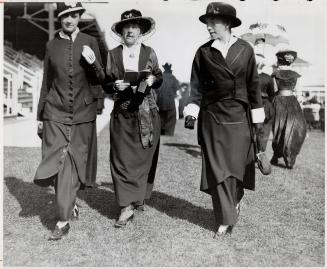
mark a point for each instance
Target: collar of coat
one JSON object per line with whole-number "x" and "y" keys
{"x": 63, "y": 35}
{"x": 234, "y": 52}
{"x": 118, "y": 58}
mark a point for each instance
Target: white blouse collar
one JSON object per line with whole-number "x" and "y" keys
{"x": 63, "y": 35}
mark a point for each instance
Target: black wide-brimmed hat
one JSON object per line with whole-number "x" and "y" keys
{"x": 286, "y": 57}
{"x": 69, "y": 7}
{"x": 222, "y": 10}
{"x": 146, "y": 24}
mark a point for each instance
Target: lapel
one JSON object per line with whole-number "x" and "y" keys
{"x": 118, "y": 60}
{"x": 216, "y": 56}
{"x": 143, "y": 58}
{"x": 234, "y": 52}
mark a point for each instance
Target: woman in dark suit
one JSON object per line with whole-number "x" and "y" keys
{"x": 135, "y": 122}
{"x": 289, "y": 124}
{"x": 66, "y": 113}
{"x": 227, "y": 102}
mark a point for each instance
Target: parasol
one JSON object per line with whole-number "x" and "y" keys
{"x": 271, "y": 34}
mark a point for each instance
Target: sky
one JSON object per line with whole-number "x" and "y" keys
{"x": 179, "y": 32}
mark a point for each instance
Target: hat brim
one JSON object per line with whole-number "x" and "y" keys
{"x": 71, "y": 10}
{"x": 284, "y": 52}
{"x": 147, "y": 24}
{"x": 234, "y": 20}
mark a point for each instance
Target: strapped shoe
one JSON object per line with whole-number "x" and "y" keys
{"x": 126, "y": 215}
{"x": 58, "y": 233}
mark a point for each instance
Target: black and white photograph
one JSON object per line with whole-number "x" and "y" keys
{"x": 163, "y": 133}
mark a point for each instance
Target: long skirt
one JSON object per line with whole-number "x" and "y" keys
{"x": 69, "y": 157}
{"x": 289, "y": 129}
{"x": 132, "y": 166}
{"x": 227, "y": 152}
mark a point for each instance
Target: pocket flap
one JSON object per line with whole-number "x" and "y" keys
{"x": 89, "y": 99}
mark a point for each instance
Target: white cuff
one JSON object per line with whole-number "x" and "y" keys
{"x": 258, "y": 115}
{"x": 191, "y": 110}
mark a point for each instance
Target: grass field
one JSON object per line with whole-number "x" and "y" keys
{"x": 281, "y": 223}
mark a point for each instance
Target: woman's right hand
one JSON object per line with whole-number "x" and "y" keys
{"x": 120, "y": 85}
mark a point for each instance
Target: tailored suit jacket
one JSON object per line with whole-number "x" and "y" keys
{"x": 215, "y": 78}
{"x": 115, "y": 69}
{"x": 70, "y": 86}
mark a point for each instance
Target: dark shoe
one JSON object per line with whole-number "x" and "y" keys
{"x": 75, "y": 213}
{"x": 58, "y": 233}
{"x": 274, "y": 160}
{"x": 126, "y": 215}
{"x": 140, "y": 207}
{"x": 228, "y": 231}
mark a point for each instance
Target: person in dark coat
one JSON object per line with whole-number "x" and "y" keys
{"x": 67, "y": 112}
{"x": 224, "y": 97}
{"x": 135, "y": 121}
{"x": 266, "y": 86}
{"x": 289, "y": 124}
{"x": 166, "y": 101}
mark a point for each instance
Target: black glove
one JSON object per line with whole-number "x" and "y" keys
{"x": 189, "y": 122}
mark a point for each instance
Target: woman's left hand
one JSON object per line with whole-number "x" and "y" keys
{"x": 88, "y": 54}
{"x": 150, "y": 80}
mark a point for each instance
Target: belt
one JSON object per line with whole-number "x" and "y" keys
{"x": 285, "y": 92}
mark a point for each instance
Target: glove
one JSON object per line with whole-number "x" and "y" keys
{"x": 88, "y": 54}
{"x": 263, "y": 163}
{"x": 189, "y": 122}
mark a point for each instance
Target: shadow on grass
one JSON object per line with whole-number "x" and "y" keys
{"x": 179, "y": 208}
{"x": 193, "y": 150}
{"x": 33, "y": 200}
{"x": 101, "y": 200}
{"x": 182, "y": 209}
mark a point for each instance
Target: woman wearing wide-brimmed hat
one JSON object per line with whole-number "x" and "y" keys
{"x": 135, "y": 122}
{"x": 226, "y": 100}
{"x": 289, "y": 124}
{"x": 66, "y": 113}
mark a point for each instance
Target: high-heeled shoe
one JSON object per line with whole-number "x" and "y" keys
{"x": 126, "y": 215}
{"x": 224, "y": 232}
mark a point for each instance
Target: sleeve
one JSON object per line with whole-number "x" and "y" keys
{"x": 254, "y": 94}
{"x": 97, "y": 65}
{"x": 110, "y": 78}
{"x": 46, "y": 84}
{"x": 194, "y": 100}
{"x": 270, "y": 87}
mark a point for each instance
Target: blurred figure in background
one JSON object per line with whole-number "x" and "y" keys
{"x": 289, "y": 125}
{"x": 266, "y": 85}
{"x": 166, "y": 95}
{"x": 185, "y": 93}
{"x": 322, "y": 117}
